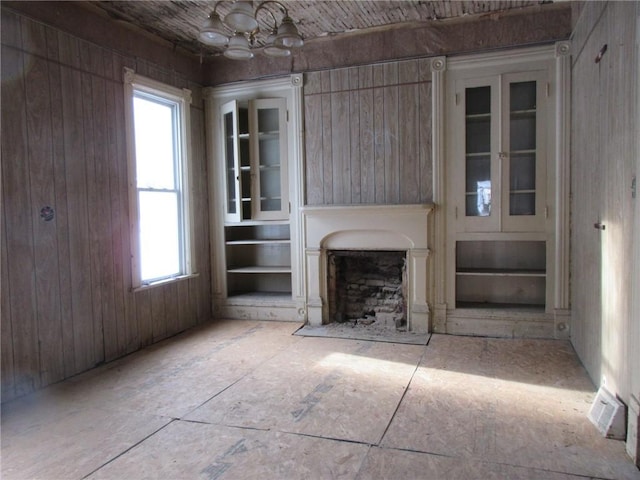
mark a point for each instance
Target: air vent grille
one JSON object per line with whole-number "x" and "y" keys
{"x": 607, "y": 413}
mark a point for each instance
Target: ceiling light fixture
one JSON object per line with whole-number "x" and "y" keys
{"x": 239, "y": 31}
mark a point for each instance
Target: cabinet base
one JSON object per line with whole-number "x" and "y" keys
{"x": 500, "y": 323}
{"x": 261, "y": 306}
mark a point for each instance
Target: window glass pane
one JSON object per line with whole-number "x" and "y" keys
{"x": 159, "y": 235}
{"x": 154, "y": 138}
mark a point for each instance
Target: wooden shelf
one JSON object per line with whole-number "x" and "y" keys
{"x": 260, "y": 269}
{"x": 500, "y": 272}
{"x": 521, "y": 307}
{"x": 260, "y": 297}
{"x": 257, "y": 241}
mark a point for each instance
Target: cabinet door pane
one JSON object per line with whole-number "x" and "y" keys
{"x": 478, "y": 151}
{"x": 269, "y": 159}
{"x": 230, "y": 163}
{"x": 522, "y": 147}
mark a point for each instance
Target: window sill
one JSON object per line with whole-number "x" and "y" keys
{"x": 165, "y": 281}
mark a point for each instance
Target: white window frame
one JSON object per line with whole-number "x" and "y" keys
{"x": 182, "y": 99}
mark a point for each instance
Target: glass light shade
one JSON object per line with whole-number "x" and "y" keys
{"x": 273, "y": 50}
{"x": 288, "y": 35}
{"x": 213, "y": 32}
{"x": 241, "y": 17}
{"x": 238, "y": 48}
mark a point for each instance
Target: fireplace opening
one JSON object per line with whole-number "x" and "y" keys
{"x": 368, "y": 288}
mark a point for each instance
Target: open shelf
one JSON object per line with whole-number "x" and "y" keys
{"x": 258, "y": 258}
{"x": 501, "y": 274}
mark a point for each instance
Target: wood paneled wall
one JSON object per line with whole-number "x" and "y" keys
{"x": 368, "y": 134}
{"x": 67, "y": 303}
{"x": 604, "y": 130}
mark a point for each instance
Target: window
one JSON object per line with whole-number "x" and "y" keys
{"x": 158, "y": 148}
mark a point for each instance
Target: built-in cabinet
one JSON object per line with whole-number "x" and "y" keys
{"x": 499, "y": 174}
{"x": 504, "y": 205}
{"x": 255, "y": 159}
{"x": 254, "y": 152}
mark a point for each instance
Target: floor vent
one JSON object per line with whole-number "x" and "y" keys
{"x": 607, "y": 414}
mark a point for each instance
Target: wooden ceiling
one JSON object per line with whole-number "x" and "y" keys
{"x": 179, "y": 21}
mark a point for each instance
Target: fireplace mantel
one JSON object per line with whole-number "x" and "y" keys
{"x": 367, "y": 227}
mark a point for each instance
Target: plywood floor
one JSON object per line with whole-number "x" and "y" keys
{"x": 245, "y": 400}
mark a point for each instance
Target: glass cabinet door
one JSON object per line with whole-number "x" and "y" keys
{"x": 477, "y": 157}
{"x": 502, "y": 169}
{"x": 231, "y": 159}
{"x": 477, "y": 146}
{"x": 524, "y": 160}
{"x": 269, "y": 159}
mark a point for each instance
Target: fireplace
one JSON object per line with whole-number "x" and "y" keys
{"x": 367, "y": 288}
{"x": 335, "y": 235}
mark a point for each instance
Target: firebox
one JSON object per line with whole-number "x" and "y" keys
{"x": 368, "y": 288}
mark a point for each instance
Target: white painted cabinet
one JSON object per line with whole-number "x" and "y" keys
{"x": 255, "y": 160}
{"x": 254, "y": 151}
{"x": 499, "y": 152}
{"x": 504, "y": 204}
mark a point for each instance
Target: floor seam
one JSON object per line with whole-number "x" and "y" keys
{"x": 249, "y": 372}
{"x": 404, "y": 393}
{"x": 125, "y": 451}
{"x": 444, "y": 455}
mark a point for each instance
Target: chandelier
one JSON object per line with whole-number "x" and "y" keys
{"x": 239, "y": 30}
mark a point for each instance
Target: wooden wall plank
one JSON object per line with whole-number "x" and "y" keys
{"x": 355, "y": 137}
{"x": 185, "y": 312}
{"x": 18, "y": 226}
{"x": 325, "y": 81}
{"x": 409, "y": 160}
{"x": 314, "y": 154}
{"x": 203, "y": 265}
{"x": 78, "y": 217}
{"x": 7, "y": 384}
{"x": 409, "y": 71}
{"x": 118, "y": 223}
{"x": 107, "y": 339}
{"x": 144, "y": 316}
{"x": 354, "y": 78}
{"x": 43, "y": 195}
{"x": 391, "y": 133}
{"x": 158, "y": 318}
{"x": 379, "y": 135}
{"x": 171, "y": 308}
{"x": 312, "y": 83}
{"x": 327, "y": 133}
{"x": 339, "y": 79}
{"x": 378, "y": 75}
{"x": 69, "y": 50}
{"x": 425, "y": 154}
{"x": 194, "y": 302}
{"x": 341, "y": 147}
{"x": 365, "y": 76}
{"x": 61, "y": 202}
{"x": 95, "y": 339}
{"x": 367, "y": 146}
